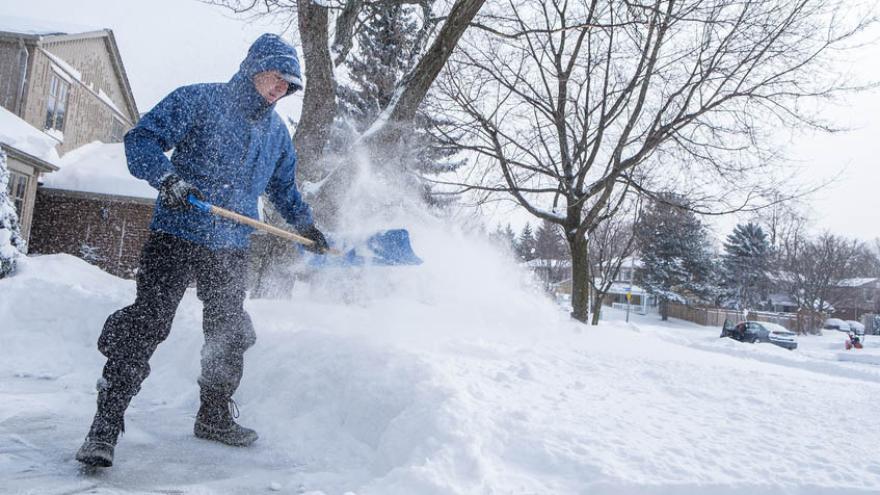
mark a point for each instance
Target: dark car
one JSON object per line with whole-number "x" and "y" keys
{"x": 754, "y": 331}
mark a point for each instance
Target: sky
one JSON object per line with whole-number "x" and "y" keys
{"x": 169, "y": 43}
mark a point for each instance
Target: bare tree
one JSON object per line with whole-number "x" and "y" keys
{"x": 612, "y": 244}
{"x": 816, "y": 267}
{"x": 570, "y": 100}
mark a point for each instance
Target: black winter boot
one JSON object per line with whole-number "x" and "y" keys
{"x": 215, "y": 421}
{"x": 97, "y": 450}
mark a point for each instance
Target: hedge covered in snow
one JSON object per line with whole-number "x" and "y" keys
{"x": 11, "y": 241}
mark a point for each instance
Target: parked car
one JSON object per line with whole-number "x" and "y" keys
{"x": 856, "y": 327}
{"x": 759, "y": 331}
{"x": 836, "y": 324}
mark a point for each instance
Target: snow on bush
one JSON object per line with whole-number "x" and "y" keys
{"x": 11, "y": 242}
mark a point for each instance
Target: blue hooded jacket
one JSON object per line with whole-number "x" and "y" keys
{"x": 229, "y": 143}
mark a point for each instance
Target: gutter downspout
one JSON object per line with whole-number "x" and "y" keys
{"x": 23, "y": 58}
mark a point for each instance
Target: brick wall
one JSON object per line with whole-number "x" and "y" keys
{"x": 107, "y": 231}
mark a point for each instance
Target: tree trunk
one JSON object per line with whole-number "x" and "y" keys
{"x": 580, "y": 278}
{"x": 319, "y": 98}
{"x": 664, "y": 309}
{"x": 597, "y": 306}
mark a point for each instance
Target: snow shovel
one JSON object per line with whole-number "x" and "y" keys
{"x": 389, "y": 247}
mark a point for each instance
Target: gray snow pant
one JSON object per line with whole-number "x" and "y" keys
{"x": 168, "y": 265}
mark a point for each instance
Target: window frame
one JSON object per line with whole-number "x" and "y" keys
{"x": 57, "y": 83}
{"x": 117, "y": 130}
{"x": 17, "y": 188}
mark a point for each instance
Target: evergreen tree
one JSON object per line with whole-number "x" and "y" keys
{"x": 383, "y": 41}
{"x": 676, "y": 256}
{"x": 510, "y": 236}
{"x": 525, "y": 245}
{"x": 746, "y": 263}
{"x": 505, "y": 237}
{"x": 549, "y": 244}
{"x": 387, "y": 36}
{"x": 11, "y": 242}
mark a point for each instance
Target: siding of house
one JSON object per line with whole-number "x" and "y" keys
{"x": 850, "y": 303}
{"x": 89, "y": 118}
{"x": 10, "y": 74}
{"x": 108, "y": 231}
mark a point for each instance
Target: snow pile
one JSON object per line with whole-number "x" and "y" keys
{"x": 433, "y": 388}
{"x": 447, "y": 378}
{"x": 19, "y": 134}
{"x": 99, "y": 168}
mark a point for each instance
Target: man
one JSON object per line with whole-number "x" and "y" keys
{"x": 229, "y": 147}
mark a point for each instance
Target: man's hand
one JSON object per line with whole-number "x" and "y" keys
{"x": 313, "y": 234}
{"x": 174, "y": 192}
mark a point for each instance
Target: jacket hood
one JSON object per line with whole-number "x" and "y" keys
{"x": 271, "y": 52}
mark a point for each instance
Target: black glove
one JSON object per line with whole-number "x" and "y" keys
{"x": 173, "y": 192}
{"x": 313, "y": 234}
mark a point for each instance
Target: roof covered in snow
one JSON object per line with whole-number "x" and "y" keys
{"x": 21, "y": 136}
{"x": 630, "y": 261}
{"x": 99, "y": 168}
{"x": 779, "y": 299}
{"x": 623, "y": 288}
{"x": 856, "y": 282}
{"x": 41, "y": 27}
{"x": 546, "y": 263}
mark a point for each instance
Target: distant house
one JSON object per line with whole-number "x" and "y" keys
{"x": 62, "y": 88}
{"x": 549, "y": 271}
{"x": 854, "y": 297}
{"x": 783, "y": 303}
{"x": 623, "y": 292}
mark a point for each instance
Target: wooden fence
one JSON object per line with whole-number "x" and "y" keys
{"x": 801, "y": 322}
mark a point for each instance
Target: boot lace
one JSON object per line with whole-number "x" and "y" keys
{"x": 233, "y": 409}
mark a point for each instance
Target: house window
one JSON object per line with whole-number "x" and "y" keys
{"x": 17, "y": 189}
{"x": 56, "y": 107}
{"x": 117, "y": 129}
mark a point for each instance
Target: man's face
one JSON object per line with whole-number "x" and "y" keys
{"x": 270, "y": 85}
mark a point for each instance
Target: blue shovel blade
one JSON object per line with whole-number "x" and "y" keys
{"x": 386, "y": 248}
{"x": 392, "y": 247}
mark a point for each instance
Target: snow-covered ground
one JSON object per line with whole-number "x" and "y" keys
{"x": 447, "y": 378}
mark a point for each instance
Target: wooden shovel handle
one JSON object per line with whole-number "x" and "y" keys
{"x": 265, "y": 227}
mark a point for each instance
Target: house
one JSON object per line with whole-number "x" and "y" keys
{"x": 783, "y": 303}
{"x": 549, "y": 271}
{"x": 854, "y": 297}
{"x": 60, "y": 88}
{"x": 623, "y": 292}
{"x": 70, "y": 84}
{"x": 95, "y": 209}
{"x": 30, "y": 153}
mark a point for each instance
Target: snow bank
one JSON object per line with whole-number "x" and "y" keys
{"x": 448, "y": 378}
{"x": 394, "y": 395}
{"x": 99, "y": 168}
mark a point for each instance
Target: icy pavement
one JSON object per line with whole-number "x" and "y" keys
{"x": 459, "y": 389}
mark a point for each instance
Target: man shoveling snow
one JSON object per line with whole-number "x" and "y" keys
{"x": 229, "y": 147}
